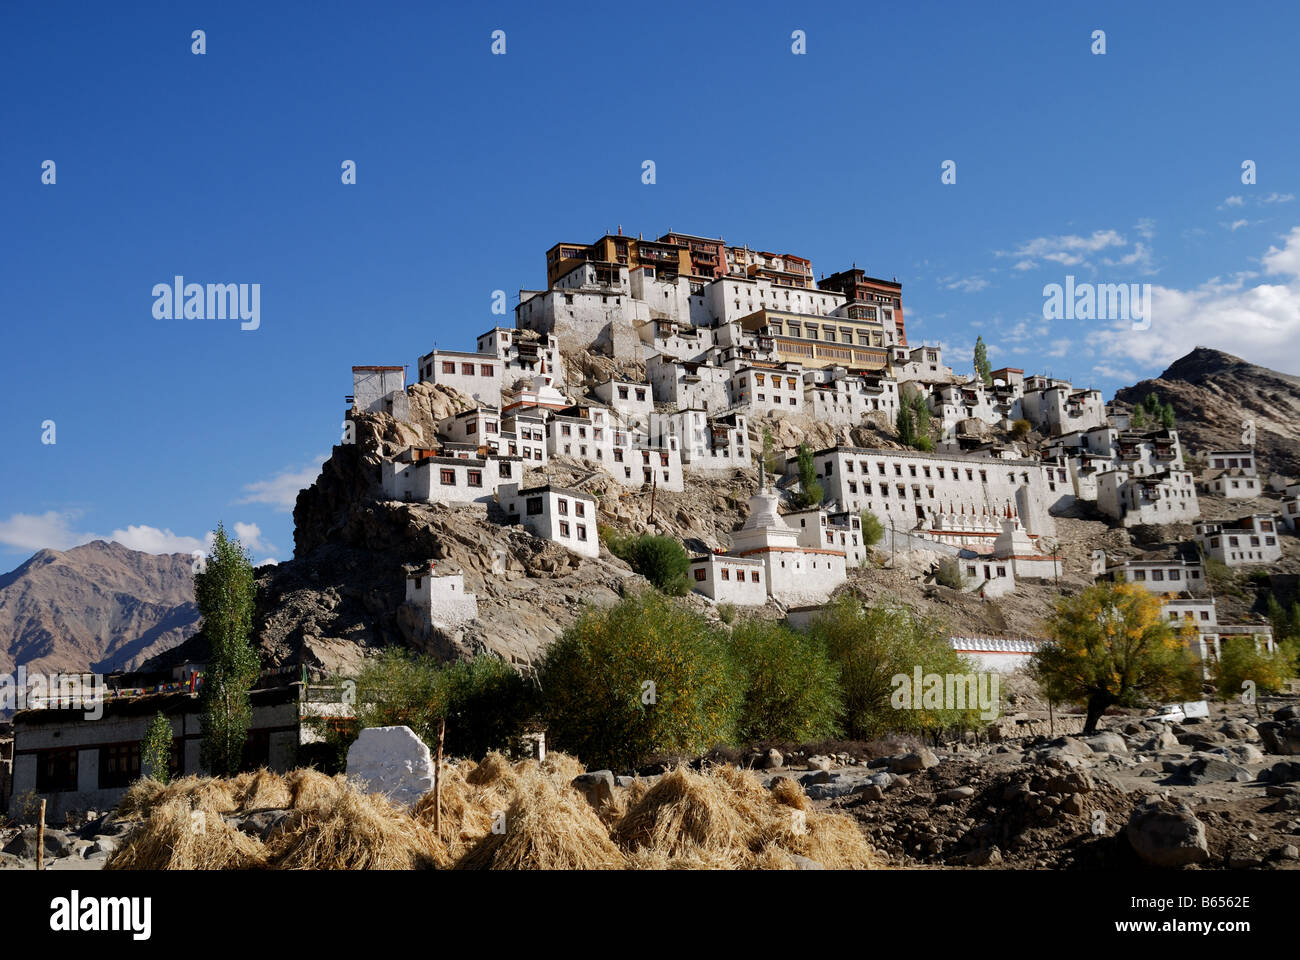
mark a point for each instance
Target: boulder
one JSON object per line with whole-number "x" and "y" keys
{"x": 392, "y": 761}
{"x": 596, "y": 785}
{"x": 1107, "y": 743}
{"x": 773, "y": 760}
{"x": 1206, "y": 769}
{"x": 1283, "y": 772}
{"x": 1167, "y": 834}
{"x": 1238, "y": 730}
{"x": 1162, "y": 740}
{"x": 922, "y": 759}
{"x": 959, "y": 793}
{"x": 1281, "y": 737}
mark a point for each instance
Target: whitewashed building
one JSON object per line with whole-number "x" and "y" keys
{"x": 684, "y": 384}
{"x": 626, "y": 398}
{"x": 1248, "y": 540}
{"x": 1233, "y": 484}
{"x": 554, "y": 513}
{"x": 523, "y": 353}
{"x": 473, "y": 374}
{"x": 726, "y": 579}
{"x": 951, "y": 498}
{"x": 833, "y": 395}
{"x": 447, "y": 479}
{"x": 380, "y": 390}
{"x": 1156, "y": 575}
{"x": 717, "y": 445}
{"x": 438, "y": 596}
{"x": 758, "y": 389}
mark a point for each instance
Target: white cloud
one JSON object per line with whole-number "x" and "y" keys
{"x": 281, "y": 490}
{"x": 1231, "y": 202}
{"x": 965, "y": 284}
{"x": 1259, "y": 322}
{"x": 1236, "y": 225}
{"x": 1069, "y": 250}
{"x": 1278, "y": 198}
{"x": 57, "y": 530}
{"x": 32, "y": 531}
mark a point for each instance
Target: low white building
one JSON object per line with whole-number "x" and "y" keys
{"x": 997, "y": 654}
{"x": 1167, "y": 496}
{"x": 716, "y": 445}
{"x": 683, "y": 384}
{"x": 724, "y": 579}
{"x": 447, "y": 479}
{"x": 438, "y": 596}
{"x": 1243, "y": 460}
{"x": 758, "y": 389}
{"x": 380, "y": 390}
{"x": 839, "y": 398}
{"x": 626, "y": 398}
{"x": 523, "y": 353}
{"x": 830, "y": 531}
{"x": 1290, "y": 516}
{"x": 1158, "y": 575}
{"x": 1055, "y": 407}
{"x": 565, "y": 516}
{"x": 473, "y": 374}
{"x": 479, "y": 426}
{"x": 1233, "y": 484}
{"x": 1248, "y": 540}
{"x": 524, "y": 434}
{"x": 794, "y": 573}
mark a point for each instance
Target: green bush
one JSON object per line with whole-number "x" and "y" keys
{"x": 871, "y": 646}
{"x": 811, "y": 492}
{"x": 661, "y": 560}
{"x": 872, "y": 529}
{"x": 727, "y": 612}
{"x": 949, "y": 573}
{"x": 790, "y": 688}
{"x": 156, "y": 749}
{"x": 642, "y": 678}
{"x": 1020, "y": 429}
{"x": 485, "y": 701}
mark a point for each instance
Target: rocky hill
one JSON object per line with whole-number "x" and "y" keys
{"x": 98, "y": 607}
{"x": 1214, "y": 393}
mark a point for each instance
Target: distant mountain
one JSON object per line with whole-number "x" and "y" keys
{"x": 98, "y": 607}
{"x": 1215, "y": 393}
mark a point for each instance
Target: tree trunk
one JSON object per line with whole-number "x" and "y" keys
{"x": 1097, "y": 705}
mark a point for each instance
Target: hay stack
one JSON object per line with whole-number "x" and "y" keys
{"x": 547, "y": 827}
{"x": 139, "y": 799}
{"x": 355, "y": 831}
{"x": 562, "y": 768}
{"x": 180, "y": 837}
{"x": 689, "y": 814}
{"x": 466, "y": 810}
{"x": 264, "y": 790}
{"x": 309, "y": 788}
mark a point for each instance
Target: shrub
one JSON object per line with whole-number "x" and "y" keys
{"x": 156, "y": 749}
{"x": 727, "y": 612}
{"x": 1020, "y": 429}
{"x": 949, "y": 573}
{"x": 872, "y": 529}
{"x": 485, "y": 702}
{"x": 811, "y": 492}
{"x": 872, "y": 646}
{"x": 643, "y": 677}
{"x": 790, "y": 688}
{"x": 661, "y": 560}
{"x": 1241, "y": 661}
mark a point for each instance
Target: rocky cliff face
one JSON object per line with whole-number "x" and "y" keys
{"x": 1215, "y": 393}
{"x": 97, "y": 607}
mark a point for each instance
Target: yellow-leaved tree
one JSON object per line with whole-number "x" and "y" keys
{"x": 1110, "y": 646}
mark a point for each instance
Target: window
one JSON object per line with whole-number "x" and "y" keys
{"x": 448, "y": 367}
{"x": 564, "y": 529}
{"x": 476, "y": 478}
{"x": 485, "y": 370}
{"x": 119, "y": 765}
{"x": 582, "y": 531}
{"x": 726, "y": 574}
{"x": 447, "y": 478}
{"x": 753, "y": 576}
{"x": 534, "y": 506}
{"x": 579, "y": 508}
{"x": 699, "y": 573}
{"x": 467, "y": 369}
{"x": 564, "y": 507}
{"x": 56, "y": 770}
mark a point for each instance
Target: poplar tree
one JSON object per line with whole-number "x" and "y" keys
{"x": 982, "y": 366}
{"x": 224, "y": 591}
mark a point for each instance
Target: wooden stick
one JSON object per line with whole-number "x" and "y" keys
{"x": 437, "y": 781}
{"x": 40, "y": 837}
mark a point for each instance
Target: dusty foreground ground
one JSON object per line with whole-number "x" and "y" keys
{"x": 1217, "y": 793}
{"x": 1199, "y": 794}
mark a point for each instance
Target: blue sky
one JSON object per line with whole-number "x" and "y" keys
{"x": 1117, "y": 168}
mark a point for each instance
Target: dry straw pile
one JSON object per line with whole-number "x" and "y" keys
{"x": 494, "y": 815}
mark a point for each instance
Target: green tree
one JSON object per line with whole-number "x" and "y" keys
{"x": 790, "y": 686}
{"x": 872, "y": 529}
{"x": 661, "y": 560}
{"x": 1138, "y": 418}
{"x": 1020, "y": 429}
{"x": 873, "y": 647}
{"x": 485, "y": 702}
{"x": 644, "y": 677}
{"x": 811, "y": 492}
{"x": 771, "y": 460}
{"x": 224, "y": 592}
{"x": 983, "y": 368}
{"x": 1111, "y": 646}
{"x": 1241, "y": 661}
{"x": 156, "y": 749}
{"x": 905, "y": 423}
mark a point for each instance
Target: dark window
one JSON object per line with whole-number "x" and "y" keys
{"x": 448, "y": 478}
{"x": 699, "y": 573}
{"x": 534, "y": 506}
{"x": 119, "y": 765}
{"x": 56, "y": 770}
